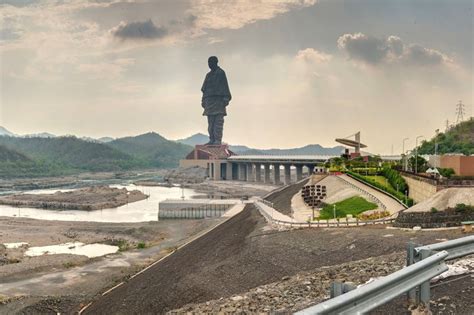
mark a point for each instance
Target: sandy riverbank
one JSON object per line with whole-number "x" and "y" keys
{"x": 90, "y": 198}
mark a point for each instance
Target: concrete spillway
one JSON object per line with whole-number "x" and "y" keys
{"x": 195, "y": 208}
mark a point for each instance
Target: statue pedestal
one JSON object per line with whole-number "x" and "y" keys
{"x": 215, "y": 151}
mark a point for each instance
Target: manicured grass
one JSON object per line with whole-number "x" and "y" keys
{"x": 379, "y": 179}
{"x": 353, "y": 205}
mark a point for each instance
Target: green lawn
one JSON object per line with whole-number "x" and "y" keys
{"x": 379, "y": 179}
{"x": 353, "y": 205}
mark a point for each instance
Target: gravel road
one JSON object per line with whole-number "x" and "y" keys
{"x": 240, "y": 255}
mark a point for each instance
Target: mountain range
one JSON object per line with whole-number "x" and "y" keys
{"x": 44, "y": 154}
{"x": 312, "y": 149}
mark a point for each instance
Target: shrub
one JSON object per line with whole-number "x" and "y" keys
{"x": 461, "y": 207}
{"x": 398, "y": 195}
{"x": 141, "y": 245}
{"x": 374, "y": 215}
{"x": 434, "y": 210}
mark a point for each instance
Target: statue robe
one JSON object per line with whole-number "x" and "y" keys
{"x": 216, "y": 94}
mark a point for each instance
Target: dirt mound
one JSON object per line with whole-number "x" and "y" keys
{"x": 447, "y": 198}
{"x": 193, "y": 174}
{"x": 91, "y": 198}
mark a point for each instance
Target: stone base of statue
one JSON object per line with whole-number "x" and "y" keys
{"x": 212, "y": 157}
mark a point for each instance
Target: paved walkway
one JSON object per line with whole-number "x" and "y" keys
{"x": 272, "y": 213}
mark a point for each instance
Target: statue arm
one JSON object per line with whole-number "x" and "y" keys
{"x": 227, "y": 95}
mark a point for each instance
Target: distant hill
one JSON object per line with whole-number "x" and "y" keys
{"x": 197, "y": 138}
{"x": 312, "y": 149}
{"x": 152, "y": 149}
{"x": 70, "y": 154}
{"x": 8, "y": 155}
{"x": 5, "y": 132}
{"x": 15, "y": 164}
{"x": 105, "y": 139}
{"x": 458, "y": 139}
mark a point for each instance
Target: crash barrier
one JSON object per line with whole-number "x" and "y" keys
{"x": 423, "y": 263}
{"x": 456, "y": 248}
{"x": 321, "y": 223}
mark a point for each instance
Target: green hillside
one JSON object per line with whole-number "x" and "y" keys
{"x": 70, "y": 154}
{"x": 459, "y": 139}
{"x": 15, "y": 164}
{"x": 152, "y": 149}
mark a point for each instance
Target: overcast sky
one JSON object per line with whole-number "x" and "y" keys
{"x": 300, "y": 71}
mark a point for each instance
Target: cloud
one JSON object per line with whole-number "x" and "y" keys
{"x": 419, "y": 55}
{"x": 139, "y": 30}
{"x": 237, "y": 14}
{"x": 19, "y": 3}
{"x": 312, "y": 55}
{"x": 374, "y": 51}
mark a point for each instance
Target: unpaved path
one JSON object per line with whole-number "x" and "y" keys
{"x": 240, "y": 255}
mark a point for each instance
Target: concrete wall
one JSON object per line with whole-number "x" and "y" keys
{"x": 420, "y": 189}
{"x": 190, "y": 163}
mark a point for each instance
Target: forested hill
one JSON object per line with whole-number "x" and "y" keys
{"x": 458, "y": 139}
{"x": 37, "y": 156}
{"x": 152, "y": 149}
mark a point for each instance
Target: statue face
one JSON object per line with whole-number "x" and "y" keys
{"x": 212, "y": 64}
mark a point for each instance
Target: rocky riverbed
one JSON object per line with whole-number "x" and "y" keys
{"x": 91, "y": 198}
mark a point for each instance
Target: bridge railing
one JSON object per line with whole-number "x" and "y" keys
{"x": 423, "y": 264}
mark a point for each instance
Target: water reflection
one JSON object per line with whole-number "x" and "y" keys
{"x": 140, "y": 211}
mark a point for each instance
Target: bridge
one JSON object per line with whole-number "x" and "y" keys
{"x": 266, "y": 168}
{"x": 223, "y": 164}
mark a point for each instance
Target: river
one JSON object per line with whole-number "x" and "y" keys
{"x": 140, "y": 211}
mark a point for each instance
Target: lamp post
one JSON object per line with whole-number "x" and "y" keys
{"x": 403, "y": 152}
{"x": 416, "y": 154}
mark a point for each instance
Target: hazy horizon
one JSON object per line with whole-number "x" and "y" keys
{"x": 300, "y": 71}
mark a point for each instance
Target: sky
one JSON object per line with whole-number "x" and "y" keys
{"x": 300, "y": 71}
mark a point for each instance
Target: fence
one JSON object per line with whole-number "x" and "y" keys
{"x": 326, "y": 223}
{"x": 206, "y": 211}
{"x": 426, "y": 263}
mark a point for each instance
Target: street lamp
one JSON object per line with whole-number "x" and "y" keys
{"x": 416, "y": 154}
{"x": 403, "y": 152}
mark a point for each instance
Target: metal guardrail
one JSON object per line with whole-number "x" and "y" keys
{"x": 423, "y": 263}
{"x": 455, "y": 248}
{"x": 377, "y": 293}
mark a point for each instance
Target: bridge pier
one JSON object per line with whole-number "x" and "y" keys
{"x": 276, "y": 174}
{"x": 250, "y": 177}
{"x": 299, "y": 172}
{"x": 258, "y": 172}
{"x": 287, "y": 174}
{"x": 266, "y": 173}
{"x": 242, "y": 171}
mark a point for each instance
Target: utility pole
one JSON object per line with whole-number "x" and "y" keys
{"x": 436, "y": 141}
{"x": 447, "y": 125}
{"x": 460, "y": 111}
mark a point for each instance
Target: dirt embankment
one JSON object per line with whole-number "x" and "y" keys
{"x": 91, "y": 198}
{"x": 242, "y": 254}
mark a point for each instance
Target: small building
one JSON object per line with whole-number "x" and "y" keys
{"x": 211, "y": 157}
{"x": 462, "y": 165}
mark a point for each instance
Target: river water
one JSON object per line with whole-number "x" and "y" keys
{"x": 140, "y": 211}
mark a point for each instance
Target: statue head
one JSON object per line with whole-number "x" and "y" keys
{"x": 212, "y": 62}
